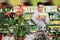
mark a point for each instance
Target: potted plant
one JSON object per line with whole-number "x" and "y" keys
{"x": 23, "y": 26}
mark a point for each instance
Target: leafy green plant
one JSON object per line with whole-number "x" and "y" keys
{"x": 23, "y": 28}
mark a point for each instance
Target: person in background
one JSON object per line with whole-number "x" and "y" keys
{"x": 41, "y": 18}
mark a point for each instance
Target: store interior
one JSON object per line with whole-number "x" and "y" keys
{"x": 16, "y": 19}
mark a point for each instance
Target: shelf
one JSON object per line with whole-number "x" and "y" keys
{"x": 55, "y": 19}
{"x": 53, "y": 25}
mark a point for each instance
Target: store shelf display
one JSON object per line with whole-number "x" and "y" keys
{"x": 22, "y": 23}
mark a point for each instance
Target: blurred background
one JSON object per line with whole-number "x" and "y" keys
{"x": 30, "y": 2}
